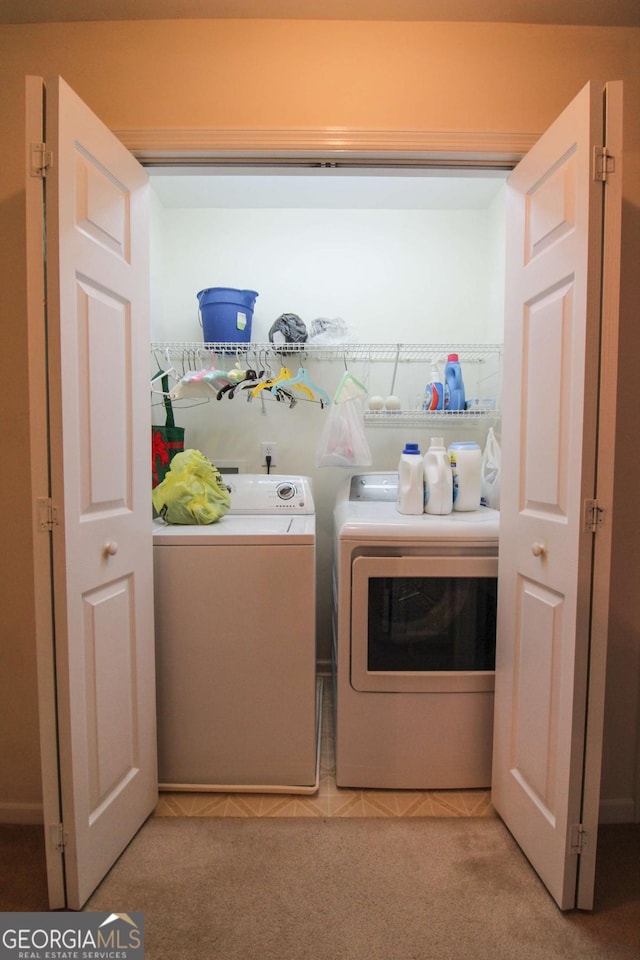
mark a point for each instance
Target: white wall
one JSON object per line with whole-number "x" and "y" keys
{"x": 408, "y": 275}
{"x": 414, "y": 276}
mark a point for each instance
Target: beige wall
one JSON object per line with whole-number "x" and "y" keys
{"x": 287, "y": 74}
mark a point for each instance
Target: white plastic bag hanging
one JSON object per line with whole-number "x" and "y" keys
{"x": 490, "y": 472}
{"x": 343, "y": 442}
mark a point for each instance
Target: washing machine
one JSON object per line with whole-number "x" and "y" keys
{"x": 414, "y": 629}
{"x": 238, "y": 705}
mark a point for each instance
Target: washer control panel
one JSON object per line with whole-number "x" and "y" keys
{"x": 269, "y": 494}
{"x": 286, "y": 490}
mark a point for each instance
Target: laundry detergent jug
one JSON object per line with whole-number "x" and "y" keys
{"x": 454, "y": 398}
{"x": 438, "y": 479}
{"x": 466, "y": 468}
{"x": 410, "y": 481}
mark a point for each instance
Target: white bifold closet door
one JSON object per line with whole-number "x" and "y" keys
{"x": 97, "y": 248}
{"x": 546, "y": 760}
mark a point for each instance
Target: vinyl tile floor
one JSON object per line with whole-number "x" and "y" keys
{"x": 330, "y": 800}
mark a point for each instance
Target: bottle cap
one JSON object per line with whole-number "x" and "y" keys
{"x": 453, "y": 357}
{"x": 411, "y": 448}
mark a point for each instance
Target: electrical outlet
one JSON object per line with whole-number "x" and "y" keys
{"x": 267, "y": 450}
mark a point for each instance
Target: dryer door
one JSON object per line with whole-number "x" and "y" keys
{"x": 423, "y": 624}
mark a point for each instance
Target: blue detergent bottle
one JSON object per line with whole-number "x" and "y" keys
{"x": 453, "y": 384}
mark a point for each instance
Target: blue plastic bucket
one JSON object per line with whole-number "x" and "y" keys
{"x": 226, "y": 314}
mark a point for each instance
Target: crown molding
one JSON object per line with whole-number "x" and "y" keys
{"x": 329, "y": 143}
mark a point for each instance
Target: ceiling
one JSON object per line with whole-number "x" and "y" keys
{"x": 328, "y": 190}
{"x": 620, "y": 13}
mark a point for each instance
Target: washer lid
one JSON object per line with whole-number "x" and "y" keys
{"x": 241, "y": 529}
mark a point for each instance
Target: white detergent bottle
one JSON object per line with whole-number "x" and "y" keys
{"x": 410, "y": 480}
{"x": 466, "y": 468}
{"x": 438, "y": 480}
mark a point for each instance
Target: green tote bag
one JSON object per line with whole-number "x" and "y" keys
{"x": 166, "y": 441}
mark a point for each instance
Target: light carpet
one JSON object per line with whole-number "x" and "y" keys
{"x": 357, "y": 889}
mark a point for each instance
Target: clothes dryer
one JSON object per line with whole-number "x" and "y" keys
{"x": 238, "y": 707}
{"x": 414, "y": 641}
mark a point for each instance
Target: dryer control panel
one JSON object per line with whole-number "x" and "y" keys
{"x": 374, "y": 486}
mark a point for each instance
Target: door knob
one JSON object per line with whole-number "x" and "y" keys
{"x": 538, "y": 549}
{"x": 110, "y": 548}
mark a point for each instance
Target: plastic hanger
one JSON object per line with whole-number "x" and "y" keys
{"x": 187, "y": 389}
{"x": 163, "y": 371}
{"x": 157, "y": 377}
{"x": 262, "y": 365}
{"x": 348, "y": 388}
{"x": 212, "y": 377}
{"x": 285, "y": 374}
{"x": 216, "y": 379}
{"x": 230, "y": 388}
{"x": 303, "y": 382}
{"x": 237, "y": 373}
{"x": 248, "y": 384}
{"x": 285, "y": 396}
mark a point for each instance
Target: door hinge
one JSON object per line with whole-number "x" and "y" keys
{"x": 47, "y": 514}
{"x": 593, "y": 515}
{"x": 59, "y": 837}
{"x": 578, "y": 838}
{"x": 41, "y": 159}
{"x": 603, "y": 164}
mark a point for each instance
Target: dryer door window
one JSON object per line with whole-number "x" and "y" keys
{"x": 424, "y": 623}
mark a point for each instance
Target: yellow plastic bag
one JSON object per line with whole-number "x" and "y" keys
{"x": 193, "y": 491}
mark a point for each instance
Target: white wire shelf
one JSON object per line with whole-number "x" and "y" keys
{"x": 393, "y": 418}
{"x": 373, "y": 352}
